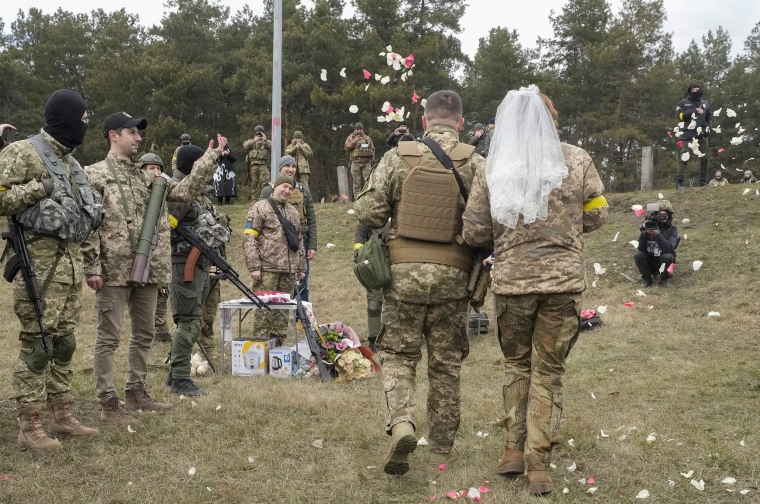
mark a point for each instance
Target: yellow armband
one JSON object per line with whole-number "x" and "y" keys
{"x": 593, "y": 204}
{"x": 173, "y": 221}
{"x": 357, "y": 246}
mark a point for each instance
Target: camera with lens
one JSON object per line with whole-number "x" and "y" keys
{"x": 402, "y": 129}
{"x": 651, "y": 222}
{"x": 259, "y": 134}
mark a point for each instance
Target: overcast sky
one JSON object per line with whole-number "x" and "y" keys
{"x": 686, "y": 19}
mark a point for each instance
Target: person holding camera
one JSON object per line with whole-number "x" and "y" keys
{"x": 8, "y": 134}
{"x": 361, "y": 154}
{"x": 259, "y": 158}
{"x": 301, "y": 152}
{"x": 696, "y": 115}
{"x": 274, "y": 252}
{"x": 480, "y": 139}
{"x": 184, "y": 139}
{"x": 657, "y": 244}
{"x": 393, "y": 139}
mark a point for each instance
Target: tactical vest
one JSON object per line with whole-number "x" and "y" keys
{"x": 204, "y": 223}
{"x": 69, "y": 213}
{"x": 362, "y": 152}
{"x": 428, "y": 217}
{"x": 259, "y": 153}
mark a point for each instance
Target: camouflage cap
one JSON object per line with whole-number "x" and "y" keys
{"x": 151, "y": 158}
{"x": 283, "y": 179}
{"x": 297, "y": 134}
{"x": 665, "y": 205}
{"x": 358, "y": 126}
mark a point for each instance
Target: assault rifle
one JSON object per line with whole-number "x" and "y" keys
{"x": 311, "y": 336}
{"x": 225, "y": 269}
{"x": 21, "y": 261}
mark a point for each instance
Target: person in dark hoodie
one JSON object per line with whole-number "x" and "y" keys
{"x": 657, "y": 246}
{"x": 696, "y": 116}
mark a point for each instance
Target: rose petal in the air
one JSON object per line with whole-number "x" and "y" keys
{"x": 385, "y": 80}
{"x": 323, "y": 75}
{"x": 423, "y": 102}
{"x": 343, "y": 72}
{"x": 366, "y": 73}
{"x": 679, "y": 143}
{"x": 409, "y": 61}
{"x": 730, "y": 113}
{"x": 353, "y": 109}
{"x": 415, "y": 96}
{"x": 721, "y": 150}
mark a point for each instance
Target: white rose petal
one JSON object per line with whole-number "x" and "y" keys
{"x": 717, "y": 112}
{"x": 688, "y": 474}
{"x": 422, "y": 441}
{"x": 330, "y": 245}
{"x": 343, "y": 72}
{"x": 423, "y": 102}
{"x": 713, "y": 314}
{"x": 660, "y": 196}
{"x": 635, "y": 243}
{"x": 353, "y": 109}
{"x": 601, "y": 309}
{"x": 565, "y": 490}
{"x": 378, "y": 77}
{"x": 350, "y": 211}
{"x": 730, "y": 113}
{"x": 728, "y": 480}
{"x": 208, "y": 489}
{"x": 651, "y": 438}
{"x": 636, "y": 207}
{"x": 685, "y": 156}
{"x": 736, "y": 140}
{"x": 571, "y": 442}
{"x": 744, "y": 492}
{"x": 685, "y": 221}
{"x": 642, "y": 494}
{"x": 592, "y": 490}
{"x": 671, "y": 483}
{"x": 696, "y": 265}
{"x": 572, "y": 467}
{"x": 389, "y": 48}
{"x": 604, "y": 434}
{"x": 685, "y": 236}
{"x": 191, "y": 471}
{"x": 366, "y": 87}
{"x": 593, "y": 396}
{"x": 473, "y": 493}
{"x": 641, "y": 293}
{"x": 218, "y": 407}
{"x": 716, "y": 129}
{"x": 250, "y": 459}
{"x": 323, "y": 75}
{"x": 699, "y": 485}
{"x": 130, "y": 429}
{"x": 742, "y": 443}
{"x": 598, "y": 269}
{"x": 582, "y": 481}
{"x": 616, "y": 236}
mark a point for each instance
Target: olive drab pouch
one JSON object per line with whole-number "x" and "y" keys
{"x": 479, "y": 282}
{"x": 372, "y": 266}
{"x": 291, "y": 233}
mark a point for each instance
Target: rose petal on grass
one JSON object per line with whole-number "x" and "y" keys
{"x": 598, "y": 269}
{"x": 713, "y": 314}
{"x": 343, "y": 72}
{"x": 636, "y": 207}
{"x": 685, "y": 236}
{"x": 193, "y": 404}
{"x": 565, "y": 490}
{"x": 191, "y": 471}
{"x": 730, "y": 113}
{"x": 685, "y": 156}
{"x": 742, "y": 443}
{"x": 635, "y": 243}
{"x": 442, "y": 467}
{"x": 671, "y": 483}
{"x": 423, "y": 102}
{"x": 660, "y": 196}
{"x": 473, "y": 493}
{"x": 651, "y": 438}
{"x": 746, "y": 191}
{"x": 482, "y": 434}
{"x": 604, "y": 434}
{"x": 593, "y": 396}
{"x": 218, "y": 407}
{"x": 592, "y": 490}
{"x": 728, "y": 480}
{"x": 699, "y": 485}
{"x": 422, "y": 441}
{"x": 572, "y": 467}
{"x": 582, "y": 481}
{"x": 688, "y": 474}
{"x": 330, "y": 245}
{"x": 130, "y": 429}
{"x": 628, "y": 304}
{"x": 208, "y": 489}
{"x": 591, "y": 480}
{"x": 250, "y": 459}
{"x": 452, "y": 494}
{"x": 602, "y": 309}
{"x": 744, "y": 492}
{"x": 484, "y": 489}
{"x": 696, "y": 265}
{"x": 643, "y": 494}
{"x": 571, "y": 442}
{"x": 317, "y": 443}
{"x": 350, "y": 211}
{"x": 641, "y": 293}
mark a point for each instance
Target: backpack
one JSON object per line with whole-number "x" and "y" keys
{"x": 372, "y": 266}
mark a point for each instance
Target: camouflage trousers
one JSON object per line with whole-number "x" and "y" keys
{"x": 187, "y": 309}
{"x": 210, "y": 307}
{"x": 405, "y": 327}
{"x": 536, "y": 333}
{"x": 62, "y": 305}
{"x": 161, "y": 304}
{"x": 360, "y": 170}
{"x": 304, "y": 179}
{"x": 268, "y": 324}
{"x": 258, "y": 176}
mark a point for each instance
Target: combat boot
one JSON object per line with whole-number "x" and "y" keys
{"x": 112, "y": 411}
{"x": 647, "y": 280}
{"x": 31, "y": 435}
{"x": 403, "y": 443}
{"x": 665, "y": 280}
{"x": 138, "y": 399}
{"x": 436, "y": 459}
{"x": 511, "y": 463}
{"x": 62, "y": 421}
{"x": 187, "y": 387}
{"x": 539, "y": 482}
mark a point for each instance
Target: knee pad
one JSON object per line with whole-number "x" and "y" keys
{"x": 374, "y": 308}
{"x": 34, "y": 355}
{"x": 63, "y": 349}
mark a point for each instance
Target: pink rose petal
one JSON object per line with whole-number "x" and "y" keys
{"x": 639, "y": 212}
{"x": 367, "y": 74}
{"x": 453, "y": 494}
{"x": 484, "y": 490}
{"x": 442, "y": 467}
{"x": 415, "y": 96}
{"x": 409, "y": 61}
{"x": 679, "y": 143}
{"x": 629, "y": 304}
{"x": 591, "y": 480}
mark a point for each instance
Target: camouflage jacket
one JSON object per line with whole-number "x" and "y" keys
{"x": 174, "y": 157}
{"x": 110, "y": 251}
{"x": 422, "y": 283}
{"x": 304, "y": 205}
{"x": 264, "y": 243}
{"x": 354, "y": 145}
{"x": 302, "y": 153}
{"x": 259, "y": 151}
{"x": 545, "y": 257}
{"x": 21, "y": 169}
{"x": 481, "y": 143}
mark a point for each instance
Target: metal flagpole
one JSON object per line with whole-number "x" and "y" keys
{"x": 276, "y": 87}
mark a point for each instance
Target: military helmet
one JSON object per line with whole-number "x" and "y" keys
{"x": 478, "y": 126}
{"x": 665, "y": 205}
{"x": 297, "y": 134}
{"x": 258, "y": 128}
{"x": 358, "y": 126}
{"x": 151, "y": 158}
{"x": 184, "y": 137}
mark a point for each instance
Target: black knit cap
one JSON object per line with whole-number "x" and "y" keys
{"x": 187, "y": 155}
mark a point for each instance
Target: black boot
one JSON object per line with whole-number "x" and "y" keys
{"x": 187, "y": 387}
{"x": 665, "y": 280}
{"x": 371, "y": 341}
{"x": 647, "y": 280}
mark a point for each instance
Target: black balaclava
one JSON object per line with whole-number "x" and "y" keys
{"x": 694, "y": 96}
{"x": 186, "y": 156}
{"x": 63, "y": 118}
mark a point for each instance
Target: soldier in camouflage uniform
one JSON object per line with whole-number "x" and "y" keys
{"x": 480, "y": 140}
{"x": 361, "y": 155}
{"x": 302, "y": 201}
{"x": 537, "y": 279}
{"x": 302, "y": 153}
{"x": 188, "y": 295}
{"x": 41, "y": 376}
{"x": 109, "y": 254}
{"x": 184, "y": 139}
{"x": 272, "y": 264}
{"x": 259, "y": 161}
{"x": 153, "y": 164}
{"x": 426, "y": 302}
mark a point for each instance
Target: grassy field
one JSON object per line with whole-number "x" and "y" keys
{"x": 661, "y": 370}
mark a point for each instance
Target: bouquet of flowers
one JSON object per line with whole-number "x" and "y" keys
{"x": 336, "y": 338}
{"x": 353, "y": 365}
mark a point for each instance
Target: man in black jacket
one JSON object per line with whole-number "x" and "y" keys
{"x": 657, "y": 245}
{"x": 696, "y": 116}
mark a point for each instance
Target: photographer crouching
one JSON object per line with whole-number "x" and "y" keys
{"x": 657, "y": 244}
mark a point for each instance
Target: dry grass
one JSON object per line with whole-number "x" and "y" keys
{"x": 694, "y": 381}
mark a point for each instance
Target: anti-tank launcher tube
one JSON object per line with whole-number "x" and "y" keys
{"x": 147, "y": 239}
